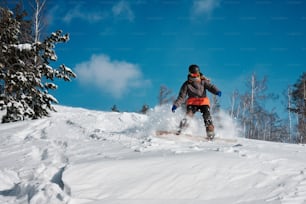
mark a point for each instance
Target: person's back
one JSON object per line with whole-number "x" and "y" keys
{"x": 194, "y": 89}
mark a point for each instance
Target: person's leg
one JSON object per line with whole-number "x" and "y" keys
{"x": 190, "y": 110}
{"x": 205, "y": 110}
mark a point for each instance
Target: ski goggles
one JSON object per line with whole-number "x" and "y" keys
{"x": 194, "y": 74}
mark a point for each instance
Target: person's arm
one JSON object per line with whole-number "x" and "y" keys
{"x": 212, "y": 88}
{"x": 182, "y": 95}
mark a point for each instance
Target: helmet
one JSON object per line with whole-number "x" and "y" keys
{"x": 194, "y": 69}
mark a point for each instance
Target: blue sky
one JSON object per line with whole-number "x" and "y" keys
{"x": 123, "y": 51}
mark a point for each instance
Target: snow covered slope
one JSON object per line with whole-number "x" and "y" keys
{"x": 83, "y": 156}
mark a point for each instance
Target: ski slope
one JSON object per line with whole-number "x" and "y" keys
{"x": 84, "y": 156}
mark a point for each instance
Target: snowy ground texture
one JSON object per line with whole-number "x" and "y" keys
{"x": 82, "y": 156}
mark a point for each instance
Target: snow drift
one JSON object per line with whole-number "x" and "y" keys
{"x": 84, "y": 156}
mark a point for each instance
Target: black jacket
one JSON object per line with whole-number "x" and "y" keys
{"x": 194, "y": 89}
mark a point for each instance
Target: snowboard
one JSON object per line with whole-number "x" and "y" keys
{"x": 185, "y": 136}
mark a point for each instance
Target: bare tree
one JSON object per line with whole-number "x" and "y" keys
{"x": 233, "y": 104}
{"x": 215, "y": 105}
{"x": 256, "y": 121}
{"x": 165, "y": 95}
{"x": 38, "y": 8}
{"x": 299, "y": 105}
{"x": 289, "y": 115}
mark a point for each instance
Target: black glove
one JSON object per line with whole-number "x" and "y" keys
{"x": 174, "y": 107}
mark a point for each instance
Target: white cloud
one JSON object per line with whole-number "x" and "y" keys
{"x": 78, "y": 12}
{"x": 204, "y": 7}
{"x": 122, "y": 9}
{"x": 113, "y": 77}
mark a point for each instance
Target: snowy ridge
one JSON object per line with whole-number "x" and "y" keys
{"x": 84, "y": 156}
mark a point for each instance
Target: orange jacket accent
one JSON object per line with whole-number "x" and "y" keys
{"x": 198, "y": 101}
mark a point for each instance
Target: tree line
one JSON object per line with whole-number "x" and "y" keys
{"x": 259, "y": 122}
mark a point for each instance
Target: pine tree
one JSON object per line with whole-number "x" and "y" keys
{"x": 25, "y": 34}
{"x": 144, "y": 109}
{"x": 9, "y": 72}
{"x": 115, "y": 109}
{"x": 26, "y": 74}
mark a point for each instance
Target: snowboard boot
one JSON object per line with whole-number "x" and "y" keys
{"x": 210, "y": 134}
{"x": 183, "y": 125}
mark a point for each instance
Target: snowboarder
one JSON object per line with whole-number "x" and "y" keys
{"x": 195, "y": 89}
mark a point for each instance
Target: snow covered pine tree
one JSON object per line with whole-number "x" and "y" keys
{"x": 25, "y": 73}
